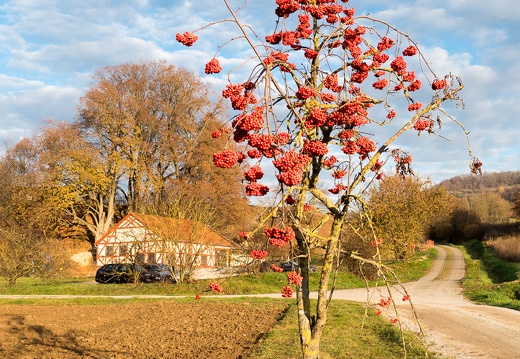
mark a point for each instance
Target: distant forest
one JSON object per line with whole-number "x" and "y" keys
{"x": 507, "y": 184}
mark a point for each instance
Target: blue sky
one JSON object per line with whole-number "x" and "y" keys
{"x": 49, "y": 50}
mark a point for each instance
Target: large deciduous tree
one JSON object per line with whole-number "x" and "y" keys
{"x": 402, "y": 211}
{"x": 324, "y": 81}
{"x": 153, "y": 119}
{"x": 143, "y": 131}
{"x": 80, "y": 180}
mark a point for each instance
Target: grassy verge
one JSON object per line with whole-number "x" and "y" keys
{"x": 257, "y": 283}
{"x": 490, "y": 280}
{"x": 344, "y": 337}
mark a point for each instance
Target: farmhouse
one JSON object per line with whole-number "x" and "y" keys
{"x": 141, "y": 238}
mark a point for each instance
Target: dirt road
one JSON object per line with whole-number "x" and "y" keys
{"x": 452, "y": 325}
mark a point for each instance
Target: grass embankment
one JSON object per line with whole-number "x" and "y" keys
{"x": 257, "y": 283}
{"x": 490, "y": 280}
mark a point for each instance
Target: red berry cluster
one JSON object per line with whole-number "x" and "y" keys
{"x": 213, "y": 67}
{"x": 410, "y": 51}
{"x": 258, "y": 254}
{"x": 279, "y": 236}
{"x": 398, "y": 65}
{"x": 331, "y": 83}
{"x": 187, "y": 39}
{"x": 256, "y": 189}
{"x": 290, "y": 200}
{"x": 287, "y": 292}
{"x": 315, "y": 148}
{"x": 380, "y": 84}
{"x": 227, "y": 158}
{"x": 262, "y": 143}
{"x": 416, "y": 106}
{"x": 238, "y": 100}
{"x": 439, "y": 84}
{"x": 245, "y": 235}
{"x": 377, "y": 166}
{"x": 316, "y": 117}
{"x": 291, "y": 164}
{"x": 377, "y": 242}
{"x": 308, "y": 207}
{"x": 254, "y": 173}
{"x": 294, "y": 278}
{"x": 253, "y": 121}
{"x": 337, "y": 188}
{"x": 338, "y": 174}
{"x": 305, "y": 92}
{"x": 385, "y": 303}
{"x": 275, "y": 268}
{"x": 329, "y": 162}
{"x": 217, "y": 288}
{"x": 423, "y": 124}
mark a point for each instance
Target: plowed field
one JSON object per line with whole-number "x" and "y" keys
{"x": 198, "y": 329}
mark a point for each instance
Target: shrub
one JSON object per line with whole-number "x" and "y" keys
{"x": 507, "y": 248}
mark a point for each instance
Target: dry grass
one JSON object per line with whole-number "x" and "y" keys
{"x": 507, "y": 247}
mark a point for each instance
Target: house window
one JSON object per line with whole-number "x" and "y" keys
{"x": 110, "y": 251}
{"x": 152, "y": 258}
{"x": 221, "y": 257}
{"x": 204, "y": 261}
{"x": 140, "y": 257}
{"x": 123, "y": 250}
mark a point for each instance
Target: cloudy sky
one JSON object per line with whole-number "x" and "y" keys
{"x": 49, "y": 50}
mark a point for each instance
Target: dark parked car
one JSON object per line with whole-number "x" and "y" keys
{"x": 287, "y": 266}
{"x": 157, "y": 273}
{"x": 119, "y": 273}
{"x": 290, "y": 266}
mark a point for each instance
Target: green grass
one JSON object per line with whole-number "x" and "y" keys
{"x": 258, "y": 283}
{"x": 344, "y": 336}
{"x": 490, "y": 280}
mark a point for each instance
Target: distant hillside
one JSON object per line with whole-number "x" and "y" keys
{"x": 505, "y": 183}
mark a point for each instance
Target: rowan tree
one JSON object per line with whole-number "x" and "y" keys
{"x": 323, "y": 81}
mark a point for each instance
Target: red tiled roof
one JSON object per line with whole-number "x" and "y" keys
{"x": 181, "y": 230}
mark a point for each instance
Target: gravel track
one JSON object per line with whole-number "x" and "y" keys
{"x": 452, "y": 325}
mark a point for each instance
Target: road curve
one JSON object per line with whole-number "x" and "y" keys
{"x": 452, "y": 326}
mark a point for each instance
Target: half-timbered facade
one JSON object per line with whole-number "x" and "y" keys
{"x": 140, "y": 238}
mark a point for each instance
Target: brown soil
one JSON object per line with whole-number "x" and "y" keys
{"x": 200, "y": 329}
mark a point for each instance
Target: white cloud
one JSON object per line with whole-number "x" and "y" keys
{"x": 49, "y": 49}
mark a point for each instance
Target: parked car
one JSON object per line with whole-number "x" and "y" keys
{"x": 287, "y": 266}
{"x": 290, "y": 266}
{"x": 157, "y": 273}
{"x": 119, "y": 273}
